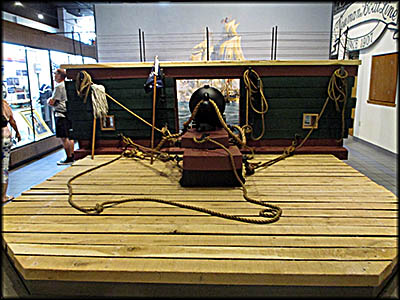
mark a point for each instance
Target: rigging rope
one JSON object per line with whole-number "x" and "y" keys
{"x": 270, "y": 214}
{"x": 83, "y": 87}
{"x": 252, "y": 88}
{"x": 337, "y": 91}
{"x": 99, "y": 101}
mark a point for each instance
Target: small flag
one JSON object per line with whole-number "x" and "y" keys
{"x": 155, "y": 70}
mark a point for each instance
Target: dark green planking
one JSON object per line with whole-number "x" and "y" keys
{"x": 131, "y": 94}
{"x": 288, "y": 98}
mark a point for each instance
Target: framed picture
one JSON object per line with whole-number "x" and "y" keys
{"x": 107, "y": 123}
{"x": 40, "y": 126}
{"x": 310, "y": 121}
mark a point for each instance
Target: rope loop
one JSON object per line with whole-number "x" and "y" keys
{"x": 337, "y": 92}
{"x": 251, "y": 90}
{"x": 270, "y": 213}
{"x": 99, "y": 208}
{"x": 82, "y": 84}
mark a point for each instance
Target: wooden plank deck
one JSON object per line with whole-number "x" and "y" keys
{"x": 338, "y": 228}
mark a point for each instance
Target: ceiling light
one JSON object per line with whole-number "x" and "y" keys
{"x": 17, "y": 3}
{"x": 40, "y": 16}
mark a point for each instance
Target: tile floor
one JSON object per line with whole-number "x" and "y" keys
{"x": 376, "y": 163}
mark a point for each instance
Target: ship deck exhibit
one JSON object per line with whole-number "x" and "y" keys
{"x": 193, "y": 221}
{"x": 337, "y": 234}
{"x": 200, "y": 149}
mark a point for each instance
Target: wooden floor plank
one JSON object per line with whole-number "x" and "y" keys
{"x": 206, "y": 253}
{"x": 57, "y": 207}
{"x": 49, "y": 199}
{"x": 198, "y": 220}
{"x": 234, "y": 227}
{"x": 202, "y": 240}
{"x": 184, "y": 271}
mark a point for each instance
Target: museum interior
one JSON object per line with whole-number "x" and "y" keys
{"x": 186, "y": 117}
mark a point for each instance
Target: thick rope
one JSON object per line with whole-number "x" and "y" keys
{"x": 83, "y": 88}
{"x": 272, "y": 213}
{"x": 252, "y": 88}
{"x": 337, "y": 92}
{"x": 83, "y": 85}
{"x": 99, "y": 101}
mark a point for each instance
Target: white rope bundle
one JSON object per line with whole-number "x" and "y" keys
{"x": 99, "y": 101}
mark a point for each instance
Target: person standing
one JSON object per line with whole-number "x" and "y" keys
{"x": 6, "y": 141}
{"x": 63, "y": 124}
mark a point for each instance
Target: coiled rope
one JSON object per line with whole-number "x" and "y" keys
{"x": 337, "y": 92}
{"x": 252, "y": 88}
{"x": 83, "y": 85}
{"x": 271, "y": 214}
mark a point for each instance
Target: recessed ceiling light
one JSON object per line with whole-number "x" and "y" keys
{"x": 40, "y": 16}
{"x": 17, "y": 3}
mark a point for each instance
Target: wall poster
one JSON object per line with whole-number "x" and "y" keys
{"x": 40, "y": 126}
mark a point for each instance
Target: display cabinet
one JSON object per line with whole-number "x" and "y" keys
{"x": 40, "y": 87}
{"x": 27, "y": 83}
{"x": 16, "y": 90}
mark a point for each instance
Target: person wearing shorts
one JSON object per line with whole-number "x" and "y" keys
{"x": 6, "y": 143}
{"x": 63, "y": 124}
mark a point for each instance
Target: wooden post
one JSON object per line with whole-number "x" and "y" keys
{"x": 144, "y": 49}
{"x": 93, "y": 136}
{"x": 276, "y": 41}
{"x": 156, "y": 65}
{"x": 154, "y": 116}
{"x": 140, "y": 45}
{"x": 208, "y": 44}
{"x": 272, "y": 43}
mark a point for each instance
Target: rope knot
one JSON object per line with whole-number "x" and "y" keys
{"x": 249, "y": 167}
{"x": 99, "y": 208}
{"x": 204, "y": 138}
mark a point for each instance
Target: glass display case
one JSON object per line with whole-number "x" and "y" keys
{"x": 40, "y": 89}
{"x": 27, "y": 83}
{"x": 15, "y": 87}
{"x": 58, "y": 58}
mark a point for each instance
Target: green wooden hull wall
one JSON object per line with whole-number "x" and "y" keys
{"x": 288, "y": 98}
{"x": 131, "y": 94}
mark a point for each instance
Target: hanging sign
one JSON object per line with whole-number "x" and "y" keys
{"x": 363, "y": 23}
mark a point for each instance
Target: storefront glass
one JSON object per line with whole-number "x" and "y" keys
{"x": 40, "y": 87}
{"x": 75, "y": 59}
{"x": 27, "y": 83}
{"x": 15, "y": 88}
{"x": 89, "y": 60}
{"x": 57, "y": 59}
